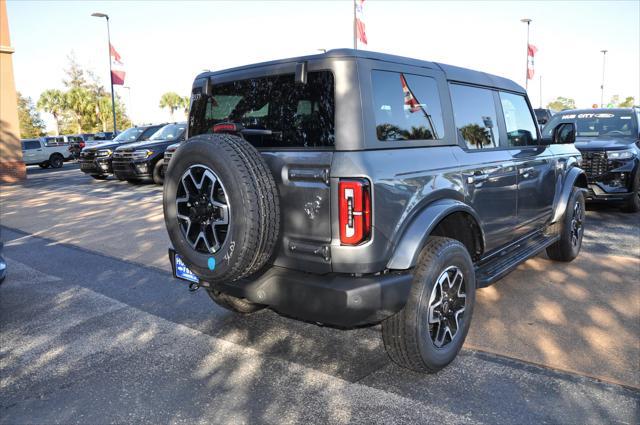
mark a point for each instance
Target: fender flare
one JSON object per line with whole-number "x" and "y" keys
{"x": 574, "y": 177}
{"x": 415, "y": 236}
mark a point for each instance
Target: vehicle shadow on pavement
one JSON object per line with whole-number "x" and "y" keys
{"x": 582, "y": 316}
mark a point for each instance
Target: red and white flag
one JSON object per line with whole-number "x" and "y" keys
{"x": 360, "y": 30}
{"x": 409, "y": 99}
{"x": 117, "y": 67}
{"x": 531, "y": 52}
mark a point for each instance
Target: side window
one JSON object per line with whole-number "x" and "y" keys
{"x": 521, "y": 129}
{"x": 406, "y": 107}
{"x": 475, "y": 116}
{"x": 31, "y": 144}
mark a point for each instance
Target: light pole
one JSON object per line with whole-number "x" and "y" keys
{"x": 129, "y": 103}
{"x": 604, "y": 55}
{"x": 526, "y": 69}
{"x": 113, "y": 100}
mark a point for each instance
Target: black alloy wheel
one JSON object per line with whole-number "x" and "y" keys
{"x": 446, "y": 306}
{"x": 203, "y": 210}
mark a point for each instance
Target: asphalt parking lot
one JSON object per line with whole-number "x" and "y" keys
{"x": 95, "y": 330}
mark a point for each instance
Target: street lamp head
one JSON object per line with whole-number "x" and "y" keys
{"x": 100, "y": 15}
{"x": 604, "y": 51}
{"x": 525, "y": 20}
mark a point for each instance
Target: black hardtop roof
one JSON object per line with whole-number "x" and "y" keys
{"x": 597, "y": 110}
{"x": 453, "y": 73}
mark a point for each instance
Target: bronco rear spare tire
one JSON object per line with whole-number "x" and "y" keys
{"x": 221, "y": 207}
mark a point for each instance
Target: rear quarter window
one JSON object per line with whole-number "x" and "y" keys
{"x": 288, "y": 115}
{"x": 406, "y": 107}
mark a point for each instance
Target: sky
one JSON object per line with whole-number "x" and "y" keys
{"x": 165, "y": 44}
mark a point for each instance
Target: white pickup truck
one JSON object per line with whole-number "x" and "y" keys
{"x": 45, "y": 154}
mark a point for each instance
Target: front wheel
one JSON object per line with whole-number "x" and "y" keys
{"x": 427, "y": 334}
{"x": 571, "y": 229}
{"x": 633, "y": 204}
{"x": 158, "y": 174}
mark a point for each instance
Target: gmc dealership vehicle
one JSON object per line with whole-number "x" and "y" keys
{"x": 144, "y": 160}
{"x": 353, "y": 187}
{"x": 44, "y": 152}
{"x": 609, "y": 140}
{"x": 96, "y": 160}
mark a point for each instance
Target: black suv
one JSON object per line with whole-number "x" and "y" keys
{"x": 96, "y": 159}
{"x": 352, "y": 187}
{"x": 144, "y": 160}
{"x": 609, "y": 140}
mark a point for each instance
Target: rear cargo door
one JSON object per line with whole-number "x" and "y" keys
{"x": 292, "y": 124}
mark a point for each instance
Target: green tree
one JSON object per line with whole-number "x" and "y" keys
{"x": 31, "y": 124}
{"x": 628, "y": 101}
{"x": 186, "y": 103}
{"x": 75, "y": 75}
{"x": 82, "y": 108}
{"x": 171, "y": 101}
{"x": 53, "y": 101}
{"x": 476, "y": 135}
{"x": 562, "y": 103}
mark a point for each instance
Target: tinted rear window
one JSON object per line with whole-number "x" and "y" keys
{"x": 406, "y": 107}
{"x": 291, "y": 115}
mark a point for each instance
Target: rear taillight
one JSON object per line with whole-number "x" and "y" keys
{"x": 355, "y": 211}
{"x": 81, "y": 144}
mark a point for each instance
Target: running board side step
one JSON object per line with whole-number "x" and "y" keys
{"x": 496, "y": 267}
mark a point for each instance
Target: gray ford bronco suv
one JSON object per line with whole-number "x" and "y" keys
{"x": 351, "y": 188}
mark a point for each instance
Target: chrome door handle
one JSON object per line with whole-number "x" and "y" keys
{"x": 477, "y": 178}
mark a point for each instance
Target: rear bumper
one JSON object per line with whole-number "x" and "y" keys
{"x": 333, "y": 299}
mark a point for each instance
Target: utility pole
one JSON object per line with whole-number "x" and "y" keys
{"x": 526, "y": 69}
{"x": 604, "y": 56}
{"x": 113, "y": 100}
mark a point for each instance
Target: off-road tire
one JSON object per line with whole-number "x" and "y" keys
{"x": 44, "y": 164}
{"x": 99, "y": 176}
{"x": 565, "y": 249}
{"x": 633, "y": 204}
{"x": 253, "y": 202}
{"x": 406, "y": 334}
{"x": 238, "y": 305}
{"x": 56, "y": 160}
{"x": 158, "y": 177}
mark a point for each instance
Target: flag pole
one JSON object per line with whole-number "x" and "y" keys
{"x": 113, "y": 99}
{"x": 355, "y": 29}
{"x": 526, "y": 69}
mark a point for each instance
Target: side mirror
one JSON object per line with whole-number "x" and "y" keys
{"x": 564, "y": 133}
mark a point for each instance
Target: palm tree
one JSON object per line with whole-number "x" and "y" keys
{"x": 475, "y": 135}
{"x": 186, "y": 103}
{"x": 53, "y": 101}
{"x": 172, "y": 101}
{"x": 81, "y": 105}
{"x": 103, "y": 111}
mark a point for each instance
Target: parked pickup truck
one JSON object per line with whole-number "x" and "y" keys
{"x": 353, "y": 187}
{"x": 38, "y": 151}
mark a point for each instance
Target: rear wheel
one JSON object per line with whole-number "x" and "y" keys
{"x": 239, "y": 305}
{"x": 221, "y": 207}
{"x": 571, "y": 229}
{"x": 56, "y": 160}
{"x": 427, "y": 334}
{"x": 158, "y": 174}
